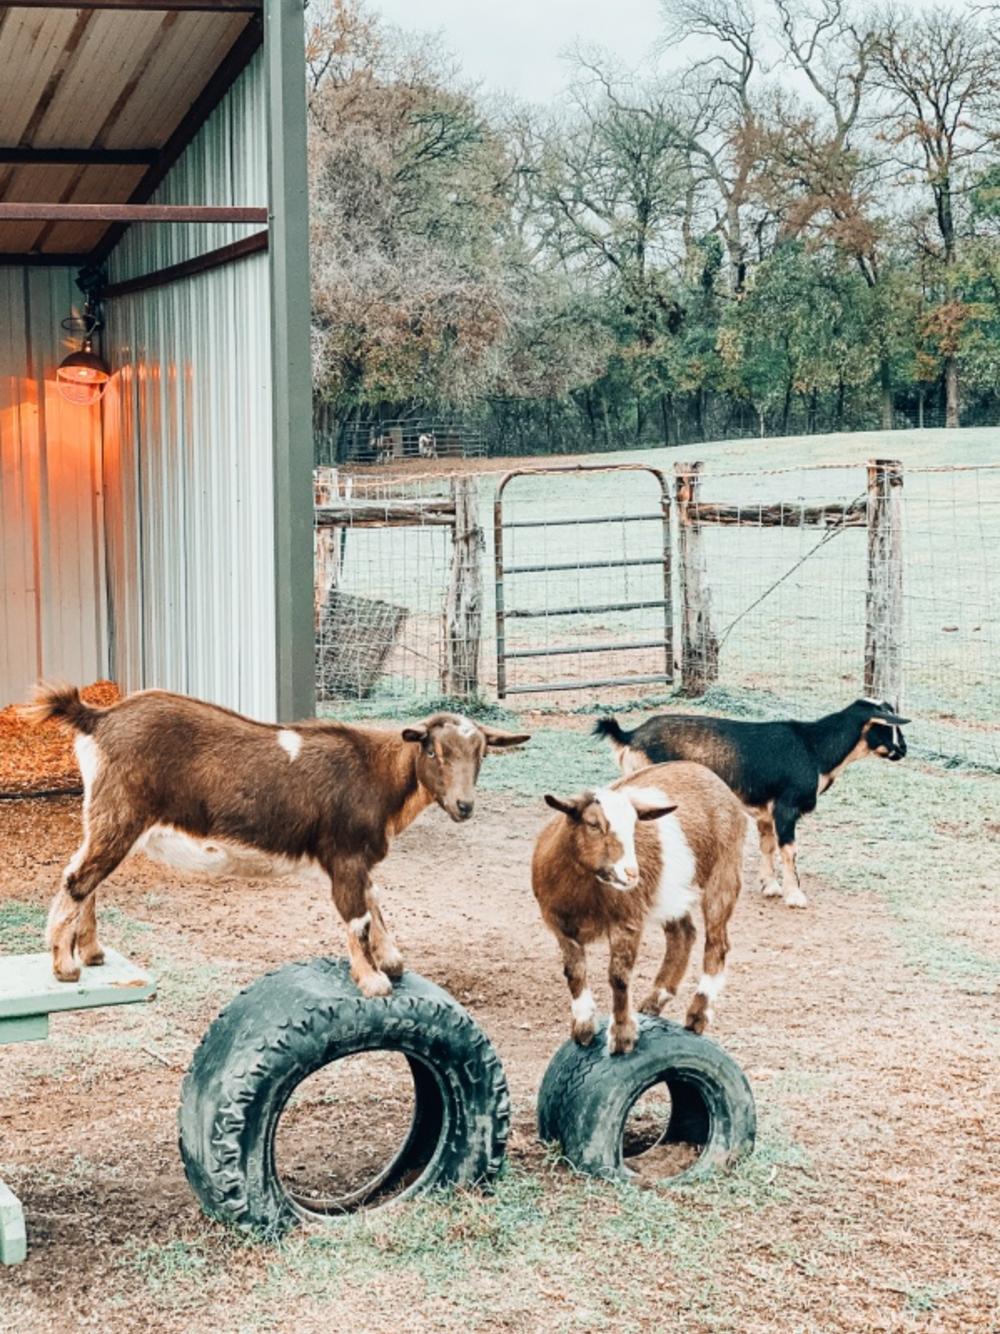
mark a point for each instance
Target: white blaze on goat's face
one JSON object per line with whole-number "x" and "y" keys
{"x": 621, "y": 865}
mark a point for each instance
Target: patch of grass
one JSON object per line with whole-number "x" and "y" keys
{"x": 552, "y": 761}
{"x": 918, "y": 838}
{"x": 125, "y": 933}
{"x": 183, "y": 1273}
{"x": 923, "y": 1300}
{"x": 531, "y": 1234}
{"x": 22, "y": 927}
{"x": 390, "y": 702}
{"x": 189, "y": 984}
{"x": 537, "y": 1244}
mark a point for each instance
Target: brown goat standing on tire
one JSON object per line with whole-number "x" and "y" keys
{"x": 205, "y": 789}
{"x": 641, "y": 849}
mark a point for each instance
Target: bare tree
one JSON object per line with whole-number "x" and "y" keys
{"x": 826, "y": 179}
{"x": 718, "y": 103}
{"x": 939, "y": 74}
{"x": 614, "y": 186}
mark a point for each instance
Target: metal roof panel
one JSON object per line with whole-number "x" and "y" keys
{"x": 97, "y": 79}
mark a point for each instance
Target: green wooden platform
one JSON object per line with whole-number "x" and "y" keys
{"x": 29, "y": 993}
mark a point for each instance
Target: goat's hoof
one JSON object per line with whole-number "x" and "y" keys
{"x": 654, "y": 1002}
{"x": 92, "y": 958}
{"x": 796, "y": 899}
{"x": 70, "y": 974}
{"x": 392, "y": 965}
{"x": 699, "y": 1013}
{"x": 770, "y": 889}
{"x": 583, "y": 1033}
{"x": 377, "y": 984}
{"x": 622, "y": 1038}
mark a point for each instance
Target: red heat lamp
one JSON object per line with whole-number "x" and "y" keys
{"x": 83, "y": 376}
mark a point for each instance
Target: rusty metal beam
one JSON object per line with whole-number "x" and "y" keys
{"x": 21, "y": 212}
{"x": 187, "y": 268}
{"x": 190, "y": 6}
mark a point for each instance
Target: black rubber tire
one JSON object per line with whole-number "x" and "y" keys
{"x": 587, "y": 1095}
{"x": 290, "y": 1023}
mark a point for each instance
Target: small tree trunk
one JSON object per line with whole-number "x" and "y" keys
{"x": 699, "y": 646}
{"x": 884, "y": 601}
{"x": 920, "y": 409}
{"x": 885, "y": 381}
{"x": 952, "y": 411}
{"x": 463, "y": 613}
{"x": 589, "y": 399}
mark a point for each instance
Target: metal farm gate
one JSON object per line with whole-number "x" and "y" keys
{"x": 596, "y": 564}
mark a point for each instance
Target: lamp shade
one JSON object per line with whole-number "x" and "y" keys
{"x": 82, "y": 377}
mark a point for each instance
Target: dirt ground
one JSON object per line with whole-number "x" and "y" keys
{"x": 871, "y": 1204}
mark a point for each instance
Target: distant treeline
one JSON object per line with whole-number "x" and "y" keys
{"x": 762, "y": 241}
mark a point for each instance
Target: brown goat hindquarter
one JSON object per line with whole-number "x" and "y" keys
{"x": 648, "y": 847}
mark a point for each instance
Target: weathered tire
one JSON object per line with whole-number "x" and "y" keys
{"x": 587, "y": 1095}
{"x": 290, "y": 1023}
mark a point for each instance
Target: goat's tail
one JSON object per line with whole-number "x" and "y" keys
{"x": 64, "y": 702}
{"x": 613, "y": 730}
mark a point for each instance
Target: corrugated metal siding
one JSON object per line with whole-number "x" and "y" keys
{"x": 188, "y": 437}
{"x": 52, "y": 621}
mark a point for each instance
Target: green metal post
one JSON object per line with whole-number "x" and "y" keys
{"x": 284, "y": 53}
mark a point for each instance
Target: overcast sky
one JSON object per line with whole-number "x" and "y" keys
{"x": 515, "y": 45}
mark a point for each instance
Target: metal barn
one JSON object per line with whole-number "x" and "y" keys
{"x": 155, "y": 516}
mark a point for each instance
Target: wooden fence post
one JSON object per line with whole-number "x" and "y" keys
{"x": 326, "y": 564}
{"x": 884, "y": 601}
{"x": 463, "y": 613}
{"x": 699, "y": 646}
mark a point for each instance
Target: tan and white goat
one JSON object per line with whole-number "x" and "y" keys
{"x": 643, "y": 849}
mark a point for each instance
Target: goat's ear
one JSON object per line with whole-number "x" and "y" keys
{"x": 650, "y": 803}
{"x": 890, "y": 719}
{"x": 417, "y": 733}
{"x": 494, "y": 737}
{"x": 570, "y": 806}
{"x": 655, "y": 812}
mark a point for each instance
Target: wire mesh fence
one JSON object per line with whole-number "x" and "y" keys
{"x": 951, "y": 598}
{"x": 772, "y": 580}
{"x": 385, "y": 552}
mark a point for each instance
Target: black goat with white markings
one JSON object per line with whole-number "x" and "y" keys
{"x": 776, "y": 769}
